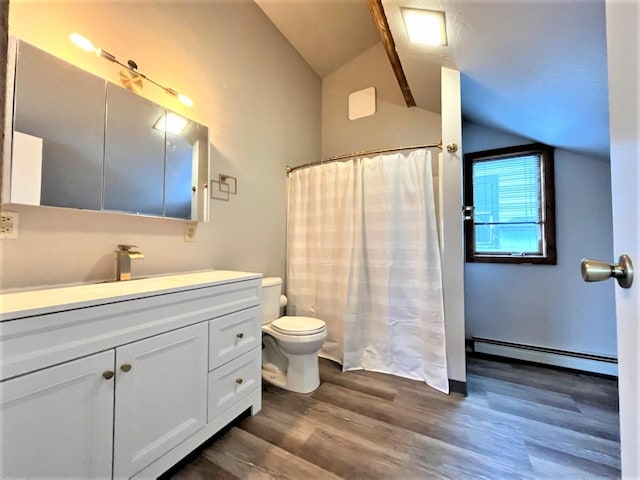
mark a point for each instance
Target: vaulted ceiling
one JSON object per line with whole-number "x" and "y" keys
{"x": 327, "y": 33}
{"x": 534, "y": 68}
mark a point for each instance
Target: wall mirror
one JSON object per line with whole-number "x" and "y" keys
{"x": 82, "y": 142}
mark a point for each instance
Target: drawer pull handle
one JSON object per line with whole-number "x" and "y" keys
{"x": 125, "y": 367}
{"x": 239, "y": 381}
{"x": 108, "y": 375}
{"x": 240, "y": 335}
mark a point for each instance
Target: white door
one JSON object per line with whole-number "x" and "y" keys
{"x": 161, "y": 396}
{"x": 623, "y": 21}
{"x": 58, "y": 422}
{"x": 451, "y": 233}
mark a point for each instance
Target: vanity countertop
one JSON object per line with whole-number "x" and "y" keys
{"x": 39, "y": 302}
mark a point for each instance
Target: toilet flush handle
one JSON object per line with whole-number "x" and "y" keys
{"x": 240, "y": 335}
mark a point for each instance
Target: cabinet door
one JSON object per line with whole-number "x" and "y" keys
{"x": 58, "y": 159}
{"x": 161, "y": 396}
{"x": 134, "y": 153}
{"x": 58, "y": 422}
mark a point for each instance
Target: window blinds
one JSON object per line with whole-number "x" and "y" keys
{"x": 507, "y": 196}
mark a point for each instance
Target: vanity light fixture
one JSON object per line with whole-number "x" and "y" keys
{"x": 426, "y": 27}
{"x": 131, "y": 78}
{"x": 171, "y": 123}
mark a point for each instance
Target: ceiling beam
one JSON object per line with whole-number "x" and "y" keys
{"x": 380, "y": 19}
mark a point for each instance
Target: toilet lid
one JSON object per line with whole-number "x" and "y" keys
{"x": 298, "y": 325}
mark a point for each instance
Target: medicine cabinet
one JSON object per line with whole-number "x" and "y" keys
{"x": 82, "y": 142}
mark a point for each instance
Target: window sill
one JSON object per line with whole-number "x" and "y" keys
{"x": 531, "y": 260}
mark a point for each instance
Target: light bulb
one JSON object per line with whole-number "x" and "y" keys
{"x": 186, "y": 100}
{"x": 82, "y": 42}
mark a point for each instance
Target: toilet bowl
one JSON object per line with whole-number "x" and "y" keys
{"x": 290, "y": 344}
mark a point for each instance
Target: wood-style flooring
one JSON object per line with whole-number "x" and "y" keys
{"x": 519, "y": 421}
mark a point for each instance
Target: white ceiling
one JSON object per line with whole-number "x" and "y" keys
{"x": 533, "y": 68}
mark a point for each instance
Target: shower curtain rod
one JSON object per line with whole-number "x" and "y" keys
{"x": 450, "y": 148}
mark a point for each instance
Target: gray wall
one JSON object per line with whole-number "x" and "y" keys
{"x": 393, "y": 124}
{"x": 550, "y": 305}
{"x": 262, "y": 104}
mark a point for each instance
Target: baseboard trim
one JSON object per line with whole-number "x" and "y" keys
{"x": 599, "y": 364}
{"x": 458, "y": 387}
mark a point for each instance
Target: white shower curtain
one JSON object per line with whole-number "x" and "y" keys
{"x": 363, "y": 255}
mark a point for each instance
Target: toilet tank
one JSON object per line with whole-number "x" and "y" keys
{"x": 271, "y": 287}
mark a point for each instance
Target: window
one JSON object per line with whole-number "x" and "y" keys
{"x": 511, "y": 193}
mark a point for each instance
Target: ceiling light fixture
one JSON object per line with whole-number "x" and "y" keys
{"x": 131, "y": 78}
{"x": 426, "y": 27}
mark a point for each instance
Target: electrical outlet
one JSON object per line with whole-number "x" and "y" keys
{"x": 8, "y": 225}
{"x": 190, "y": 232}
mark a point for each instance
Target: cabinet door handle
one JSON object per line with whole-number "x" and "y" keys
{"x": 125, "y": 367}
{"x": 240, "y": 335}
{"x": 239, "y": 381}
{"x": 108, "y": 375}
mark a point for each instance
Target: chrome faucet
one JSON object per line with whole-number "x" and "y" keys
{"x": 125, "y": 255}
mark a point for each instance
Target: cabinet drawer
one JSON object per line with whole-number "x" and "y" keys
{"x": 232, "y": 382}
{"x": 233, "y": 335}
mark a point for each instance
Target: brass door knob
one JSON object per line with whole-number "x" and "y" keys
{"x": 125, "y": 367}
{"x": 240, "y": 335}
{"x": 108, "y": 375}
{"x": 239, "y": 381}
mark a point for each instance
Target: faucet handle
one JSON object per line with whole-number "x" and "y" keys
{"x": 126, "y": 248}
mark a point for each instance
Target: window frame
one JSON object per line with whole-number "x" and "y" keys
{"x": 547, "y": 192}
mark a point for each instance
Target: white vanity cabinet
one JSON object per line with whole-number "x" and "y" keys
{"x": 58, "y": 422}
{"x": 127, "y": 384}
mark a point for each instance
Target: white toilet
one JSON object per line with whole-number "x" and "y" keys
{"x": 290, "y": 344}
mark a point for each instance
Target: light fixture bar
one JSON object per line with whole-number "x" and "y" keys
{"x": 106, "y": 55}
{"x": 85, "y": 44}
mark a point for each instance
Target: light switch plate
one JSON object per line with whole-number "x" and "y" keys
{"x": 9, "y": 225}
{"x": 190, "y": 232}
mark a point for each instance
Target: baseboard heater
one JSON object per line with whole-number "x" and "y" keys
{"x": 550, "y": 356}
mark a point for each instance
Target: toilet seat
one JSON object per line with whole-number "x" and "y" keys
{"x": 298, "y": 326}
